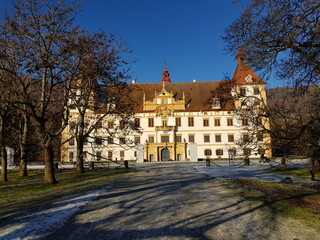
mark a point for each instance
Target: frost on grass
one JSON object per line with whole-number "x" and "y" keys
{"x": 40, "y": 224}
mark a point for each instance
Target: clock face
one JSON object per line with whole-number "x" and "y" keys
{"x": 248, "y": 78}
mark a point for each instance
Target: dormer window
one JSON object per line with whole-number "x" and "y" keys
{"x": 216, "y": 103}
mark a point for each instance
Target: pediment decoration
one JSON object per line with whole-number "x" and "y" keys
{"x": 164, "y": 112}
{"x": 164, "y": 103}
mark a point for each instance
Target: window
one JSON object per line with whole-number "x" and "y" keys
{"x": 232, "y": 152}
{"x": 245, "y": 138}
{"x": 99, "y": 125}
{"x": 151, "y": 139}
{"x": 137, "y": 122}
{"x": 178, "y": 122}
{"x": 207, "y": 152}
{"x": 245, "y": 121}
{"x": 109, "y": 155}
{"x": 110, "y": 140}
{"x": 206, "y": 122}
{"x": 191, "y": 138}
{"x": 218, "y": 137}
{"x": 151, "y": 158}
{"x": 122, "y": 124}
{"x": 122, "y": 140}
{"x": 256, "y": 103}
{"x": 71, "y": 156}
{"x": 110, "y": 124}
{"x": 230, "y": 138}
{"x": 256, "y": 91}
{"x": 206, "y": 138}
{"x": 121, "y": 155}
{"x": 243, "y": 91}
{"x": 164, "y": 139}
{"x": 151, "y": 122}
{"x": 164, "y": 123}
{"x": 98, "y": 140}
{"x": 178, "y": 138}
{"x": 219, "y": 152}
{"x": 230, "y": 122}
{"x": 137, "y": 140}
{"x": 71, "y": 142}
{"x": 247, "y": 152}
{"x": 260, "y": 137}
{"x": 243, "y": 103}
{"x": 98, "y": 155}
{"x": 190, "y": 121}
{"x": 179, "y": 157}
{"x": 217, "y": 121}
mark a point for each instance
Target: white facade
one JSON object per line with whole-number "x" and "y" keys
{"x": 175, "y": 119}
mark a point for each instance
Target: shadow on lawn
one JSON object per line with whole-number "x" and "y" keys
{"x": 167, "y": 201}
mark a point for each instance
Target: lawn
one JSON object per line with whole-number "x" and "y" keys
{"x": 298, "y": 172}
{"x": 24, "y": 194}
{"x": 289, "y": 200}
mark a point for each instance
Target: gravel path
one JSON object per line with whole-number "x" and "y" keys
{"x": 177, "y": 201}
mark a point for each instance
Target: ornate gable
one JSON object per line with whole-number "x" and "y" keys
{"x": 164, "y": 103}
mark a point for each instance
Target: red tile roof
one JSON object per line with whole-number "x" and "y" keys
{"x": 244, "y": 70}
{"x": 199, "y": 95}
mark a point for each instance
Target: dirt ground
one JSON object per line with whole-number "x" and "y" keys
{"x": 177, "y": 201}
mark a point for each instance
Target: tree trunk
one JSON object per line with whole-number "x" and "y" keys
{"x": 315, "y": 165}
{"x": 49, "y": 177}
{"x": 3, "y": 151}
{"x": 208, "y": 163}
{"x": 23, "y": 160}
{"x": 315, "y": 161}
{"x": 80, "y": 168}
{"x": 246, "y": 161}
{"x": 4, "y": 165}
{"x": 80, "y": 142}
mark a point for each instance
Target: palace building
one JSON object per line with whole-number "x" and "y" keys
{"x": 185, "y": 121}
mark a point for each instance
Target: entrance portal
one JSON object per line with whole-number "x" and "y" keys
{"x": 165, "y": 154}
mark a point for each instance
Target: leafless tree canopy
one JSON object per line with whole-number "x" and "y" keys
{"x": 281, "y": 36}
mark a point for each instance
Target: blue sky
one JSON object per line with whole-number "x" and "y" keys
{"x": 184, "y": 33}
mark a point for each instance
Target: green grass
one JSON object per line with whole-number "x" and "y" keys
{"x": 298, "y": 172}
{"x": 24, "y": 194}
{"x": 287, "y": 200}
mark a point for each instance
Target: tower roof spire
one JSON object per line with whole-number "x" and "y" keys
{"x": 165, "y": 74}
{"x": 244, "y": 74}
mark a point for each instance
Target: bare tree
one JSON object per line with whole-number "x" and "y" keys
{"x": 4, "y": 112}
{"x": 283, "y": 37}
{"x": 24, "y": 139}
{"x": 34, "y": 51}
{"x": 295, "y": 122}
{"x": 280, "y": 36}
{"x": 99, "y": 86}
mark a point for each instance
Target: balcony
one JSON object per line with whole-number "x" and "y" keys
{"x": 164, "y": 128}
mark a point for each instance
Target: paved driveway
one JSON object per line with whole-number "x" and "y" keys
{"x": 175, "y": 201}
